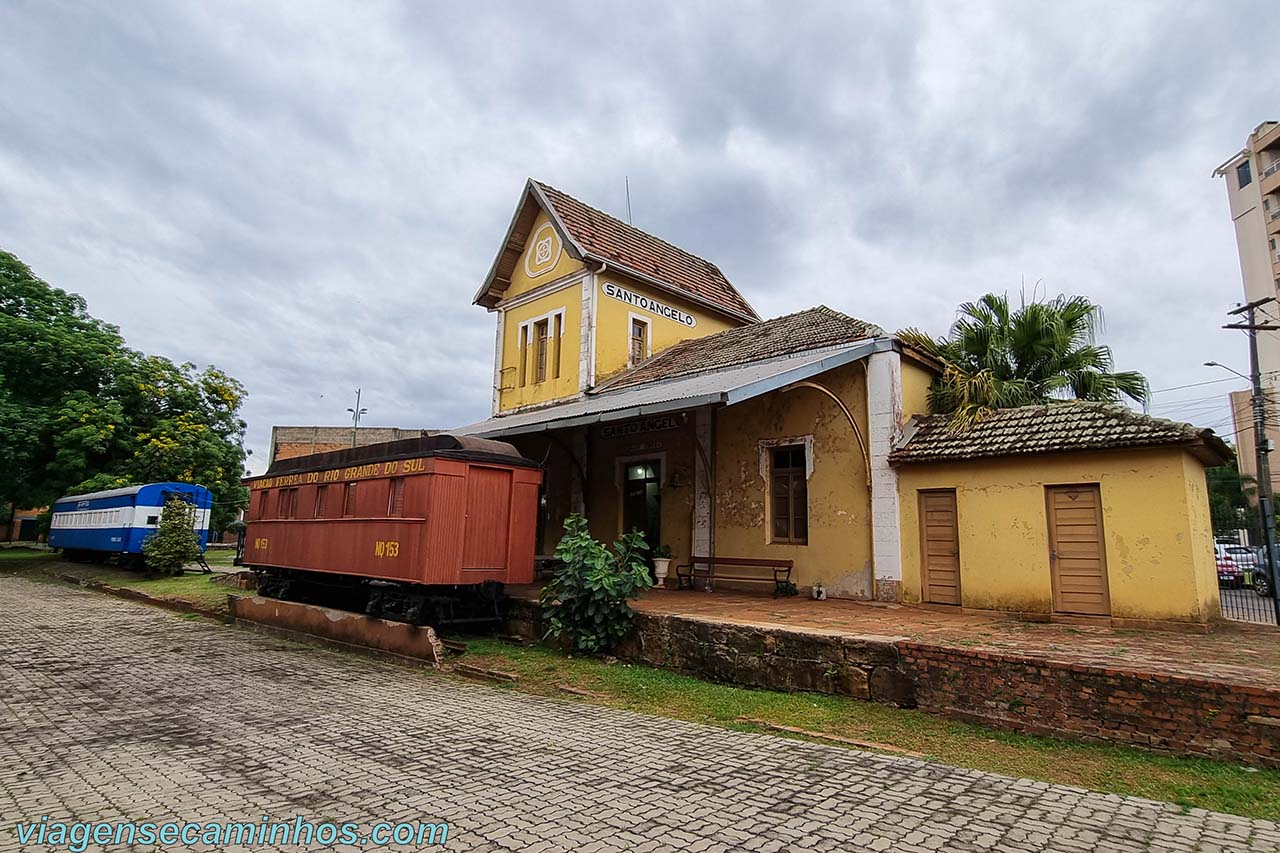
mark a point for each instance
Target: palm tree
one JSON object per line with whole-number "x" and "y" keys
{"x": 997, "y": 358}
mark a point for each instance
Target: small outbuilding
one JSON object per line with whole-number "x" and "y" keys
{"x": 1070, "y": 509}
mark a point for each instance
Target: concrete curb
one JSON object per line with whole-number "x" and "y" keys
{"x": 355, "y": 630}
{"x": 176, "y": 605}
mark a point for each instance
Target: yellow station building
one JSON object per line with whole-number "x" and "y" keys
{"x": 660, "y": 401}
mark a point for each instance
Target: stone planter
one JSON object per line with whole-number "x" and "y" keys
{"x": 661, "y": 565}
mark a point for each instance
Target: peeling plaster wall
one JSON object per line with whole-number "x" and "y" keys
{"x": 838, "y": 553}
{"x": 674, "y": 447}
{"x": 1155, "y": 523}
{"x": 603, "y": 496}
{"x": 1201, "y": 522}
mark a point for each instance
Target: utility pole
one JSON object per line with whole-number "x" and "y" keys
{"x": 1261, "y": 445}
{"x": 355, "y": 418}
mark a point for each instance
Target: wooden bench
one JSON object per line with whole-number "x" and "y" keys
{"x": 739, "y": 570}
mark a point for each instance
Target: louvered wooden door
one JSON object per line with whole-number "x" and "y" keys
{"x": 939, "y": 547}
{"x": 1077, "y": 550}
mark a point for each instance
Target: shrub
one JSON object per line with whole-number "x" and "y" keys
{"x": 174, "y": 543}
{"x": 586, "y": 599}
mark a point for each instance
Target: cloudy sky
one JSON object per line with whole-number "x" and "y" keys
{"x": 308, "y": 194}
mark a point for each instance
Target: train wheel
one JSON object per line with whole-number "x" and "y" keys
{"x": 413, "y": 611}
{"x": 269, "y": 587}
{"x": 374, "y": 607}
{"x": 494, "y": 595}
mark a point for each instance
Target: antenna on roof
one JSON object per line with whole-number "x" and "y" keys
{"x": 627, "y": 180}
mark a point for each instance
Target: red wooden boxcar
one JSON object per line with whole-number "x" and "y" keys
{"x": 404, "y": 529}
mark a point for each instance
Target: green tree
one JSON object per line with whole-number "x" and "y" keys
{"x": 80, "y": 411}
{"x": 174, "y": 544}
{"x": 1231, "y": 500}
{"x": 996, "y": 357}
{"x": 50, "y": 350}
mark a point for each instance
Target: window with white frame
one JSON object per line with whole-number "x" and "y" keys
{"x": 789, "y": 494}
{"x": 639, "y": 340}
{"x": 540, "y": 341}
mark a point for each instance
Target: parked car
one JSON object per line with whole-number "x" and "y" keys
{"x": 1230, "y": 573}
{"x": 1244, "y": 556}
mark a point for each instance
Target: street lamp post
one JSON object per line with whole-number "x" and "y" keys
{"x": 355, "y": 417}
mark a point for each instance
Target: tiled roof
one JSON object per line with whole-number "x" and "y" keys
{"x": 727, "y": 386}
{"x": 1053, "y": 428}
{"x": 615, "y": 241}
{"x": 800, "y": 332}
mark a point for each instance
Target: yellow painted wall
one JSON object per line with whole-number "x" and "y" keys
{"x": 613, "y": 325}
{"x": 1155, "y": 521}
{"x": 531, "y": 393}
{"x": 838, "y": 553}
{"x": 559, "y": 265}
{"x": 916, "y": 381}
{"x": 1201, "y": 521}
{"x": 604, "y": 495}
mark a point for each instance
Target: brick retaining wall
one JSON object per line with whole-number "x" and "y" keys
{"x": 767, "y": 658}
{"x": 1168, "y": 713}
{"x": 1175, "y": 714}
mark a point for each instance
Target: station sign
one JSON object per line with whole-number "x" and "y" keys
{"x": 644, "y": 425}
{"x": 644, "y": 303}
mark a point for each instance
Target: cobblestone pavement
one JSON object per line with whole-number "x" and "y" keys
{"x": 112, "y": 710}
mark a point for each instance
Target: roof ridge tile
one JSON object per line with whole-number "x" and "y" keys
{"x": 1054, "y": 426}
{"x": 791, "y": 334}
{"x": 679, "y": 270}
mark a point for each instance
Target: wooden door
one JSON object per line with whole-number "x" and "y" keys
{"x": 1077, "y": 550}
{"x": 484, "y": 544}
{"x": 939, "y": 547}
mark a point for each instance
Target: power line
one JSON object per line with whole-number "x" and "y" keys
{"x": 1195, "y": 402}
{"x": 1269, "y": 373}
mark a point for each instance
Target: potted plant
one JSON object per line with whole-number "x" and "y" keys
{"x": 661, "y": 563}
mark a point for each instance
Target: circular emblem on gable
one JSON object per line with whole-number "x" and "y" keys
{"x": 543, "y": 252}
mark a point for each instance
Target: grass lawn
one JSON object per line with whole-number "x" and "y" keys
{"x": 24, "y": 555}
{"x": 220, "y": 557}
{"x": 197, "y": 588}
{"x": 1187, "y": 782}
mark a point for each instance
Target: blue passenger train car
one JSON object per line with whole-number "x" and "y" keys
{"x": 117, "y": 521}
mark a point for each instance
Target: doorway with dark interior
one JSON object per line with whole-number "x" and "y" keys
{"x": 642, "y": 502}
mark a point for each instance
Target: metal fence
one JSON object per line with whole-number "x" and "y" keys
{"x": 1246, "y": 584}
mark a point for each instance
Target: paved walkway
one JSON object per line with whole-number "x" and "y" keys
{"x": 111, "y": 709}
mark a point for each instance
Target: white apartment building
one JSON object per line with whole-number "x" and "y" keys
{"x": 1252, "y": 177}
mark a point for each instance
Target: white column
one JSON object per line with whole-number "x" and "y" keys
{"x": 884, "y": 414}
{"x": 702, "y": 482}
{"x": 497, "y": 364}
{"x": 586, "y": 335}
